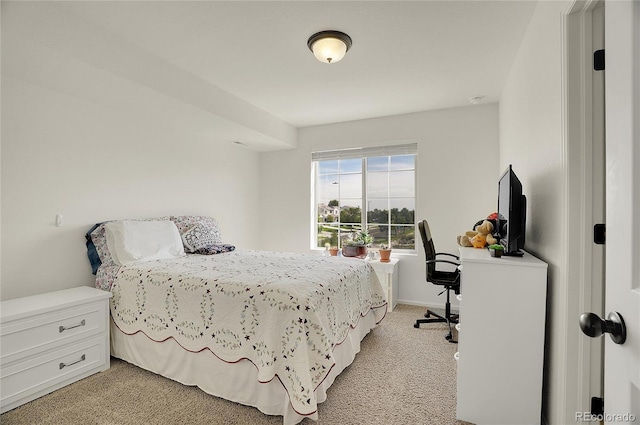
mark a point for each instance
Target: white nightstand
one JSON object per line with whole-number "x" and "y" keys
{"x": 50, "y": 340}
{"x": 388, "y": 275}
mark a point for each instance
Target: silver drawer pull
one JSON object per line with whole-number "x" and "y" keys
{"x": 64, "y": 328}
{"x": 63, "y": 365}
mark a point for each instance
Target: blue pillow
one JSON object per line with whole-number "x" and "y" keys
{"x": 92, "y": 252}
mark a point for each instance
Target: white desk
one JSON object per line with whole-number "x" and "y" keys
{"x": 501, "y": 338}
{"x": 388, "y": 275}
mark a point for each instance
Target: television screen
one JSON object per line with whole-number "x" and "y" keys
{"x": 512, "y": 211}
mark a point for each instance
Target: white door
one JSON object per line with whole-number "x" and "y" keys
{"x": 622, "y": 81}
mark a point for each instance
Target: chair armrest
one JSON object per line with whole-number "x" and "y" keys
{"x": 443, "y": 261}
{"x": 450, "y": 255}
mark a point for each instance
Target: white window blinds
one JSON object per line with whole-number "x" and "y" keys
{"x": 349, "y": 153}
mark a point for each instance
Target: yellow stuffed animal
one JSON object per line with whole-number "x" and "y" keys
{"x": 465, "y": 240}
{"x": 479, "y": 240}
{"x": 480, "y": 237}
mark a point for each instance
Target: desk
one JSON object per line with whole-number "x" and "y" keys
{"x": 388, "y": 275}
{"x": 501, "y": 338}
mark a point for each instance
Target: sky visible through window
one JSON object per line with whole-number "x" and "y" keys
{"x": 342, "y": 179}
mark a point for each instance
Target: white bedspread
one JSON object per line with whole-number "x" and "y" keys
{"x": 284, "y": 312}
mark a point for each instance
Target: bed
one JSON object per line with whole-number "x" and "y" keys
{"x": 266, "y": 329}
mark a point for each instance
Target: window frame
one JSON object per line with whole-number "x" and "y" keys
{"x": 364, "y": 154}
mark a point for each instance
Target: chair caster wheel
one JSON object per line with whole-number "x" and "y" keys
{"x": 416, "y": 325}
{"x": 448, "y": 337}
{"x": 427, "y": 315}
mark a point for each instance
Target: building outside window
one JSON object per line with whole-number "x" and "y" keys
{"x": 380, "y": 181}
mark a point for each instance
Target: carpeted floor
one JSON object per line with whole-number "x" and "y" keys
{"x": 402, "y": 376}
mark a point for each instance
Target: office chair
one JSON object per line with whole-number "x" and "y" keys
{"x": 450, "y": 280}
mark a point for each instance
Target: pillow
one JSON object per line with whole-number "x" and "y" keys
{"x": 99, "y": 240}
{"x": 186, "y": 223}
{"x": 92, "y": 251}
{"x": 198, "y": 237}
{"x": 131, "y": 241}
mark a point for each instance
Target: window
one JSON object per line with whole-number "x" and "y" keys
{"x": 380, "y": 181}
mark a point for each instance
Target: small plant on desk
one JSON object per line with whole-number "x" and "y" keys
{"x": 496, "y": 250}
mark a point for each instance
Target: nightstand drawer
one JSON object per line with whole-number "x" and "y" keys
{"x": 52, "y": 369}
{"x": 51, "y": 330}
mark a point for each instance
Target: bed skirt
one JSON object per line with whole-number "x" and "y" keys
{"x": 232, "y": 381}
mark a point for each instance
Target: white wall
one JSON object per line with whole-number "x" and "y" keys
{"x": 457, "y": 181}
{"x": 531, "y": 138}
{"x": 93, "y": 146}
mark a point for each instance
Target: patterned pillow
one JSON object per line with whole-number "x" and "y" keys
{"x": 206, "y": 233}
{"x": 106, "y": 275}
{"x": 99, "y": 239}
{"x": 199, "y": 236}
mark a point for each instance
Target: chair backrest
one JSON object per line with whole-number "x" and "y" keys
{"x": 429, "y": 248}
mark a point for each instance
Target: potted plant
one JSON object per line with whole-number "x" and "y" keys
{"x": 385, "y": 253}
{"x": 356, "y": 245}
{"x": 333, "y": 251}
{"x": 496, "y": 250}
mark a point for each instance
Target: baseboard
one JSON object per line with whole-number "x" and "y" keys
{"x": 428, "y": 305}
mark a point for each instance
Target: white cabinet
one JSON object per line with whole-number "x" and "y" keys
{"x": 388, "y": 275}
{"x": 50, "y": 340}
{"x": 501, "y": 338}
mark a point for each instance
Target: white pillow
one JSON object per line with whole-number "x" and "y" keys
{"x": 131, "y": 241}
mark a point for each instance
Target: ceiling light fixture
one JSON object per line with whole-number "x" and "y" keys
{"x": 329, "y": 46}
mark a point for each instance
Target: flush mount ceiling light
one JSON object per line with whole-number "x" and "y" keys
{"x": 329, "y": 46}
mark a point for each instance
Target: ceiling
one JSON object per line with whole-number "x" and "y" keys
{"x": 406, "y": 56}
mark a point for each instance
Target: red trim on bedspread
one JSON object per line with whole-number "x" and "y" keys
{"x": 254, "y": 365}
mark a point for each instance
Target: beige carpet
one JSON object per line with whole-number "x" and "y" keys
{"x": 402, "y": 376}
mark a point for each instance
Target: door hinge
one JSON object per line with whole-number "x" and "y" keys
{"x": 597, "y": 406}
{"x": 598, "y": 60}
{"x": 599, "y": 233}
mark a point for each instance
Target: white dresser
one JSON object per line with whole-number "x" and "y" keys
{"x": 388, "y": 275}
{"x": 501, "y": 338}
{"x": 50, "y": 340}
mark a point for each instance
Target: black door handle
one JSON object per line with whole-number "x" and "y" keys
{"x": 592, "y": 325}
